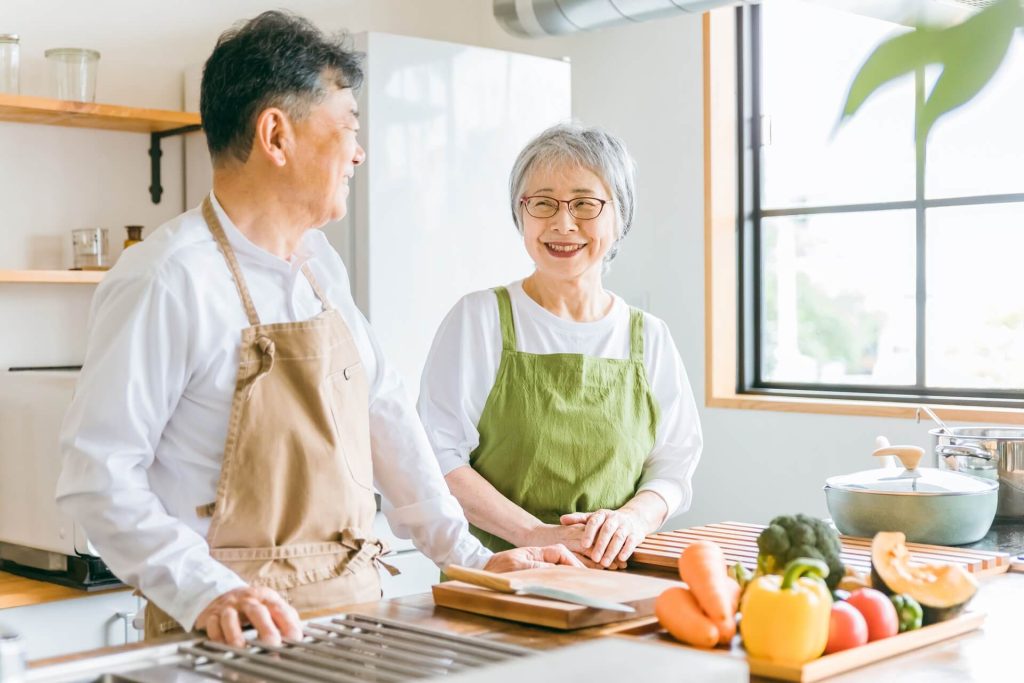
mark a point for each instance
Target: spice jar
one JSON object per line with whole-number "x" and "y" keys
{"x": 9, "y": 66}
{"x": 134, "y": 235}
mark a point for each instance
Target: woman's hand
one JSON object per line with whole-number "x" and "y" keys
{"x": 609, "y": 536}
{"x": 531, "y": 558}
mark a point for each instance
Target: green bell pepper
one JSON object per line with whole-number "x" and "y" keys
{"x": 909, "y": 612}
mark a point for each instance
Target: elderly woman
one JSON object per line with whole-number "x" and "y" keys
{"x": 558, "y": 413}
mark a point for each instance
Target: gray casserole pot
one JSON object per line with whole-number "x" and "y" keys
{"x": 928, "y": 505}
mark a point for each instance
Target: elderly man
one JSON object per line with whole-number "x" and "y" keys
{"x": 234, "y": 410}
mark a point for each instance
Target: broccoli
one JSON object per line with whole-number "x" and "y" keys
{"x": 791, "y": 536}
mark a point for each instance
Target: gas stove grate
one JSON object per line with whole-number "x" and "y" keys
{"x": 350, "y": 648}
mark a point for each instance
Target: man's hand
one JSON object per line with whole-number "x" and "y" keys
{"x": 531, "y": 558}
{"x": 609, "y": 536}
{"x": 265, "y": 609}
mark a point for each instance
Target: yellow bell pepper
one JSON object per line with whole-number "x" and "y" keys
{"x": 786, "y": 618}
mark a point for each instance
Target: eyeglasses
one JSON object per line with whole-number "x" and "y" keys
{"x": 582, "y": 208}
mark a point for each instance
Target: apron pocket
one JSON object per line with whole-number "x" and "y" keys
{"x": 348, "y": 396}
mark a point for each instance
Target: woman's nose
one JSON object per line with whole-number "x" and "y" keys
{"x": 563, "y": 221}
{"x": 360, "y": 155}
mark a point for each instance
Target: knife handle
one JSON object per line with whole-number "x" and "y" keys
{"x": 479, "y": 577}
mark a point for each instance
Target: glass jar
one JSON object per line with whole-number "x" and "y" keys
{"x": 9, "y": 65}
{"x": 73, "y": 73}
{"x": 90, "y": 248}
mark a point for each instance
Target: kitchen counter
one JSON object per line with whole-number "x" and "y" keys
{"x": 983, "y": 655}
{"x": 17, "y": 591}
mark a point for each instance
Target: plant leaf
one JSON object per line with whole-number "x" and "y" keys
{"x": 971, "y": 53}
{"x": 893, "y": 58}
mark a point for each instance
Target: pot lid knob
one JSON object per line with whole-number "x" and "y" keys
{"x": 909, "y": 456}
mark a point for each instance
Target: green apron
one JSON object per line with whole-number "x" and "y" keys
{"x": 564, "y": 432}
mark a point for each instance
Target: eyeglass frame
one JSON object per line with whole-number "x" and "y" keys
{"x": 559, "y": 202}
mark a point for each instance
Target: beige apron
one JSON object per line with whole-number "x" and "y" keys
{"x": 295, "y": 507}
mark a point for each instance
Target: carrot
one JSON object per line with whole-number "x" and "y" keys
{"x": 702, "y": 567}
{"x": 678, "y": 612}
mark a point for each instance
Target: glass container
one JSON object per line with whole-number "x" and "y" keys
{"x": 9, "y": 66}
{"x": 73, "y": 73}
{"x": 90, "y": 248}
{"x": 134, "y": 235}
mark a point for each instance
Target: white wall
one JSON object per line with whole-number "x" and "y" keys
{"x": 641, "y": 81}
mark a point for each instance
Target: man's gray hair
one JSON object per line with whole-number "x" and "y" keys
{"x": 596, "y": 150}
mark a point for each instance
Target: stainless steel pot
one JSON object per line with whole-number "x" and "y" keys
{"x": 994, "y": 453}
{"x": 928, "y": 505}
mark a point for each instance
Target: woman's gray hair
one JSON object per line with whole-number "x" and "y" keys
{"x": 576, "y": 145}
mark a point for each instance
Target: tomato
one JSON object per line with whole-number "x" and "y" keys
{"x": 878, "y": 612}
{"x": 846, "y": 628}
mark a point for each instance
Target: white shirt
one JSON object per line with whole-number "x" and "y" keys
{"x": 144, "y": 437}
{"x": 463, "y": 363}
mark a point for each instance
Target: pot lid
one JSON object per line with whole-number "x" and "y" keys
{"x": 910, "y": 479}
{"x": 920, "y": 481}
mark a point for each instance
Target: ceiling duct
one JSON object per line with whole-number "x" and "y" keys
{"x": 539, "y": 18}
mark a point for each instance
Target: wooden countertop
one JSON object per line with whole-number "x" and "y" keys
{"x": 17, "y": 591}
{"x": 987, "y": 654}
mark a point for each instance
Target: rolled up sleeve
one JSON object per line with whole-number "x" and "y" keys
{"x": 135, "y": 371}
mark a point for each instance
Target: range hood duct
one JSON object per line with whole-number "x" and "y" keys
{"x": 539, "y": 18}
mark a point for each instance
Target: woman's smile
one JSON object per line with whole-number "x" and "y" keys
{"x": 564, "y": 249}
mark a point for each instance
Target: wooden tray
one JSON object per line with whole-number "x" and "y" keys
{"x": 739, "y": 544}
{"x": 636, "y": 591}
{"x": 827, "y": 665}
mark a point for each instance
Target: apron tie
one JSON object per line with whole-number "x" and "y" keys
{"x": 267, "y": 354}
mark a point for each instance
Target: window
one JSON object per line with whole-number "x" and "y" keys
{"x": 862, "y": 273}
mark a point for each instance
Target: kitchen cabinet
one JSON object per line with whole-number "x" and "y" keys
{"x": 51, "y": 112}
{"x": 76, "y": 624}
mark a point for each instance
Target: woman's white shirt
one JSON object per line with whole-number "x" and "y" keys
{"x": 463, "y": 363}
{"x": 144, "y": 437}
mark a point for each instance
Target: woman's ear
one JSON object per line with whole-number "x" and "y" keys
{"x": 273, "y": 137}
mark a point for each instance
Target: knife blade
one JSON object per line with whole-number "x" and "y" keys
{"x": 504, "y": 584}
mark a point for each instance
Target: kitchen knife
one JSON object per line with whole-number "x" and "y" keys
{"x": 504, "y": 584}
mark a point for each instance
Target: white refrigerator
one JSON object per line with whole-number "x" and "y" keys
{"x": 429, "y": 217}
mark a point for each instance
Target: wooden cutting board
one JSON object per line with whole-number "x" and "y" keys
{"x": 639, "y": 592}
{"x": 739, "y": 544}
{"x": 825, "y": 666}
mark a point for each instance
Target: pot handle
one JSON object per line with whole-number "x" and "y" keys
{"x": 963, "y": 449}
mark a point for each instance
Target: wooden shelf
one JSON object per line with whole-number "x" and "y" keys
{"x": 50, "y": 112}
{"x": 66, "y": 277}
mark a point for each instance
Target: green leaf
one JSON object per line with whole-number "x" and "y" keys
{"x": 970, "y": 53}
{"x": 895, "y": 57}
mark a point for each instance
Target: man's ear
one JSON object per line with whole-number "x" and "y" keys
{"x": 273, "y": 135}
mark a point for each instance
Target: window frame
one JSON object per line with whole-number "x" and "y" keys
{"x": 732, "y": 324}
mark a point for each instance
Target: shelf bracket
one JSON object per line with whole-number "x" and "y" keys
{"x": 156, "y": 190}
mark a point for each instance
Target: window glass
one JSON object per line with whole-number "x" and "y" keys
{"x": 975, "y": 311}
{"x": 809, "y": 57}
{"x": 838, "y": 298}
{"x": 978, "y": 149}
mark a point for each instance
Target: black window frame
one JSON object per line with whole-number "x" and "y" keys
{"x": 750, "y": 256}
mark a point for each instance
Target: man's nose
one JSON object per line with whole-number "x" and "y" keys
{"x": 360, "y": 155}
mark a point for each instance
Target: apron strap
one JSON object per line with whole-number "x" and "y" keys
{"x": 308, "y": 272}
{"x": 210, "y": 216}
{"x": 636, "y": 335}
{"x": 508, "y": 328}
